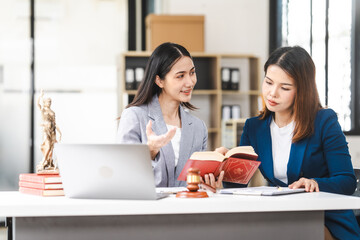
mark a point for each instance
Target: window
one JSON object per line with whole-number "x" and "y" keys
{"x": 327, "y": 30}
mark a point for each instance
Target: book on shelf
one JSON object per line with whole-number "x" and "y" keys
{"x": 44, "y": 186}
{"x": 42, "y": 192}
{"x": 40, "y": 178}
{"x": 239, "y": 164}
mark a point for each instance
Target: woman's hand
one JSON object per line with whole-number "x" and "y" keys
{"x": 209, "y": 179}
{"x": 222, "y": 150}
{"x": 156, "y": 142}
{"x": 310, "y": 185}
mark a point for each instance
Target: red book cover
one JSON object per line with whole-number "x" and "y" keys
{"x": 238, "y": 170}
{"x": 44, "y": 186}
{"x": 42, "y": 192}
{"x": 239, "y": 164}
{"x": 40, "y": 178}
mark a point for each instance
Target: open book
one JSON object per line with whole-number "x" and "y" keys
{"x": 239, "y": 164}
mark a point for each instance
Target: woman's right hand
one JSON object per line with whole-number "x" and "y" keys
{"x": 156, "y": 142}
{"x": 222, "y": 150}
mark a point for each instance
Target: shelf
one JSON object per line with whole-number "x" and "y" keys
{"x": 213, "y": 130}
{"x": 205, "y": 92}
{"x": 130, "y": 92}
{"x": 251, "y": 92}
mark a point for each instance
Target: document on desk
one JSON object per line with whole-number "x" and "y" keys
{"x": 170, "y": 190}
{"x": 261, "y": 191}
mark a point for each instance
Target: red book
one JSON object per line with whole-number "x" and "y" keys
{"x": 239, "y": 164}
{"x": 42, "y": 192}
{"x": 44, "y": 186}
{"x": 40, "y": 178}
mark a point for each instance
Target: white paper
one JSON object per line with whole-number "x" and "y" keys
{"x": 171, "y": 190}
{"x": 263, "y": 191}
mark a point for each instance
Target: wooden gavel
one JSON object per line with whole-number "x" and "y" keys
{"x": 193, "y": 181}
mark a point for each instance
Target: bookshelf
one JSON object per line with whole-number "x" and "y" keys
{"x": 208, "y": 95}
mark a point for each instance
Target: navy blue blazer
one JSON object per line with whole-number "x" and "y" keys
{"x": 324, "y": 156}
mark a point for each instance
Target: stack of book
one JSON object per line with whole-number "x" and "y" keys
{"x": 41, "y": 184}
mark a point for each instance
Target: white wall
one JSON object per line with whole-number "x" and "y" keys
{"x": 231, "y": 26}
{"x": 354, "y": 147}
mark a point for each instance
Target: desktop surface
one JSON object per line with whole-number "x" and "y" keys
{"x": 15, "y": 204}
{"x": 173, "y": 218}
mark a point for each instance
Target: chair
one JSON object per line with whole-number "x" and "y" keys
{"x": 357, "y": 192}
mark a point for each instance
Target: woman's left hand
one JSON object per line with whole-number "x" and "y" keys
{"x": 209, "y": 179}
{"x": 310, "y": 185}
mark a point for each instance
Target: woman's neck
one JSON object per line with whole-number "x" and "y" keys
{"x": 170, "y": 111}
{"x": 283, "y": 119}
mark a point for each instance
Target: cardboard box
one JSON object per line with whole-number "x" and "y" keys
{"x": 186, "y": 30}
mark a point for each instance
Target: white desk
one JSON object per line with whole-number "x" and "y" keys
{"x": 218, "y": 217}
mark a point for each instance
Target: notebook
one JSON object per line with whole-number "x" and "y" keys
{"x": 106, "y": 171}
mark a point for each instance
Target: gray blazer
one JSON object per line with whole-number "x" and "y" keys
{"x": 132, "y": 129}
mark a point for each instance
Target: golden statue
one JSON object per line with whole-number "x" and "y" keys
{"x": 47, "y": 165}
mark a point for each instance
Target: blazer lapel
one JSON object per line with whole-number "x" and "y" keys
{"x": 296, "y": 158}
{"x": 186, "y": 142}
{"x": 159, "y": 128}
{"x": 265, "y": 150}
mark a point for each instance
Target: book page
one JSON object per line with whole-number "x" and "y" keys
{"x": 242, "y": 149}
{"x": 208, "y": 156}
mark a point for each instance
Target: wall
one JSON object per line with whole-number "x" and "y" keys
{"x": 231, "y": 26}
{"x": 354, "y": 147}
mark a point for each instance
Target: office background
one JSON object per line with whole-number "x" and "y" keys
{"x": 75, "y": 51}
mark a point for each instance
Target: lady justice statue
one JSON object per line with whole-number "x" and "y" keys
{"x": 47, "y": 165}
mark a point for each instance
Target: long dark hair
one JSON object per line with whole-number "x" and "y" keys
{"x": 159, "y": 64}
{"x": 298, "y": 64}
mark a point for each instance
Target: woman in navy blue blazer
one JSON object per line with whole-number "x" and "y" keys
{"x": 299, "y": 143}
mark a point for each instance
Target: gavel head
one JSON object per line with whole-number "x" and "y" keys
{"x": 193, "y": 179}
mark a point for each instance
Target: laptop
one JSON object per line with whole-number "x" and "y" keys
{"x": 106, "y": 171}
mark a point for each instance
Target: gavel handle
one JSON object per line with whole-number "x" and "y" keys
{"x": 208, "y": 187}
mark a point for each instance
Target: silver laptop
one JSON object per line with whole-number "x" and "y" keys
{"x": 106, "y": 171}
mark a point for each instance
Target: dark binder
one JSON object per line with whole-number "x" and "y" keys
{"x": 129, "y": 79}
{"x": 235, "y": 111}
{"x": 139, "y": 75}
{"x": 234, "y": 78}
{"x": 226, "y": 112}
{"x": 225, "y": 78}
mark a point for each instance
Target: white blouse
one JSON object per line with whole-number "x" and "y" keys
{"x": 281, "y": 139}
{"x": 175, "y": 141}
